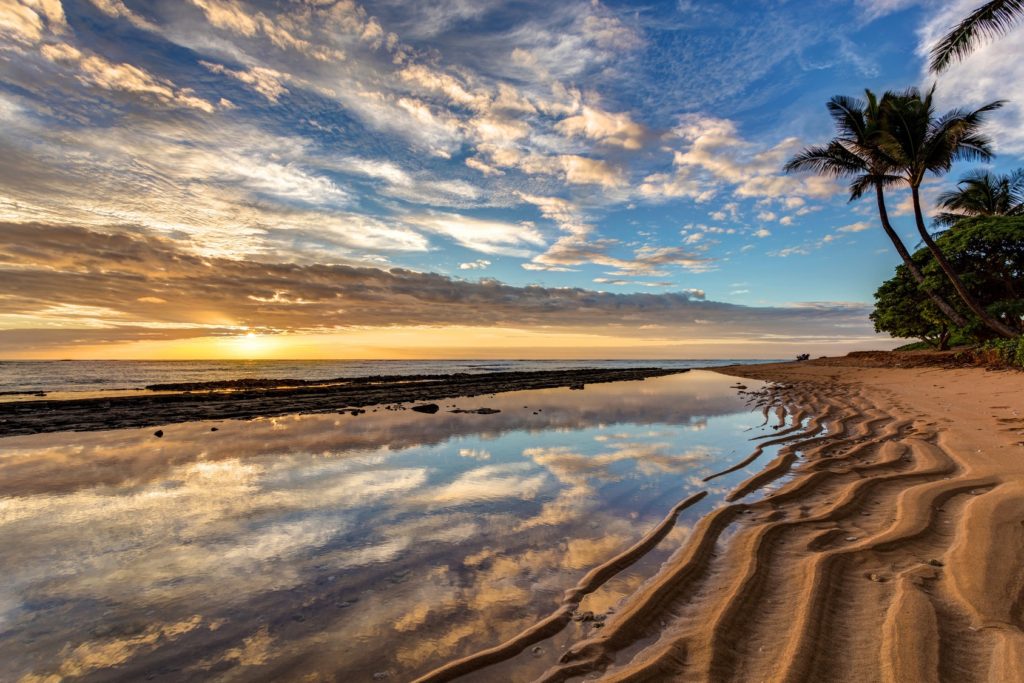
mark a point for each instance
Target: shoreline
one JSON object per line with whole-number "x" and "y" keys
{"x": 888, "y": 545}
{"x": 150, "y": 410}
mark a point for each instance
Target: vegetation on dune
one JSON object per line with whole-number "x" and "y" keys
{"x": 1008, "y": 352}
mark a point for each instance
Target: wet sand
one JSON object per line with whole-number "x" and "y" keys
{"x": 887, "y": 544}
{"x": 248, "y": 399}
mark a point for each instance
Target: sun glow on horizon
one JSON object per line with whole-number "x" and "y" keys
{"x": 251, "y": 345}
{"x": 454, "y": 342}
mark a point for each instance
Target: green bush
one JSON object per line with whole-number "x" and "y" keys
{"x": 1005, "y": 351}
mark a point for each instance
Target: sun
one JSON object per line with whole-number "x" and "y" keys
{"x": 252, "y": 345}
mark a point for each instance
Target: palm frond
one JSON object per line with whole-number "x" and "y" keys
{"x": 831, "y": 160}
{"x": 848, "y": 115}
{"x": 991, "y": 20}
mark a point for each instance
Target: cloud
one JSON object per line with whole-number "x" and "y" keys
{"x": 267, "y": 82}
{"x": 26, "y": 21}
{"x": 875, "y": 9}
{"x": 97, "y": 71}
{"x": 486, "y": 236}
{"x": 617, "y": 130}
{"x": 790, "y": 251}
{"x": 72, "y": 281}
{"x": 479, "y": 264}
{"x": 994, "y": 71}
{"x": 763, "y": 232}
{"x": 859, "y": 226}
{"x": 711, "y": 152}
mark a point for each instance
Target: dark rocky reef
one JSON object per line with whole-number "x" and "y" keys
{"x": 244, "y": 400}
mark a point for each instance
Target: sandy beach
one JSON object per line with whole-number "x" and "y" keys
{"x": 888, "y": 548}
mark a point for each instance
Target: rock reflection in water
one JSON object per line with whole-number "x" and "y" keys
{"x": 305, "y": 546}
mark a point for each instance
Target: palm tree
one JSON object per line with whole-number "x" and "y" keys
{"x": 983, "y": 193}
{"x": 918, "y": 143}
{"x": 853, "y": 154}
{"x": 992, "y": 19}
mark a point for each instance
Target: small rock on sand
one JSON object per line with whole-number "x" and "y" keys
{"x": 214, "y": 429}
{"x": 159, "y": 433}
{"x": 428, "y": 408}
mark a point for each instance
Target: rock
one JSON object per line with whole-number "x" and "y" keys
{"x": 380, "y": 675}
{"x": 877, "y": 578}
{"x": 428, "y": 408}
{"x": 936, "y": 563}
{"x": 214, "y": 429}
{"x": 159, "y": 433}
{"x": 536, "y": 650}
{"x": 477, "y": 411}
{"x": 577, "y": 386}
{"x": 851, "y": 538}
{"x": 583, "y": 616}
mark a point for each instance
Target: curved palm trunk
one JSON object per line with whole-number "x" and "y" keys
{"x": 990, "y": 322}
{"x": 915, "y": 272}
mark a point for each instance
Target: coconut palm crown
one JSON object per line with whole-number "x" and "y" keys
{"x": 854, "y": 154}
{"x": 918, "y": 143}
{"x": 983, "y": 193}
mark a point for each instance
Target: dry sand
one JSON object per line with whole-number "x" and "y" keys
{"x": 889, "y": 547}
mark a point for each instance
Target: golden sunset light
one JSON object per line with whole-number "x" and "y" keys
{"x": 435, "y": 341}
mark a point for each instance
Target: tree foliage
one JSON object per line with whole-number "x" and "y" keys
{"x": 988, "y": 252}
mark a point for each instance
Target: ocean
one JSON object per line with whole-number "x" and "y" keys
{"x": 113, "y": 375}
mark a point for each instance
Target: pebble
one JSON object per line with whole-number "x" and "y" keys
{"x": 936, "y": 563}
{"x": 851, "y": 538}
{"x": 214, "y": 429}
{"x": 877, "y": 578}
{"x": 537, "y": 650}
{"x": 159, "y": 433}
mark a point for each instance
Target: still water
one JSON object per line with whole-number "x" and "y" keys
{"x": 370, "y": 547}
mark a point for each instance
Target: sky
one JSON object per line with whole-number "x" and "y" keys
{"x": 457, "y": 178}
